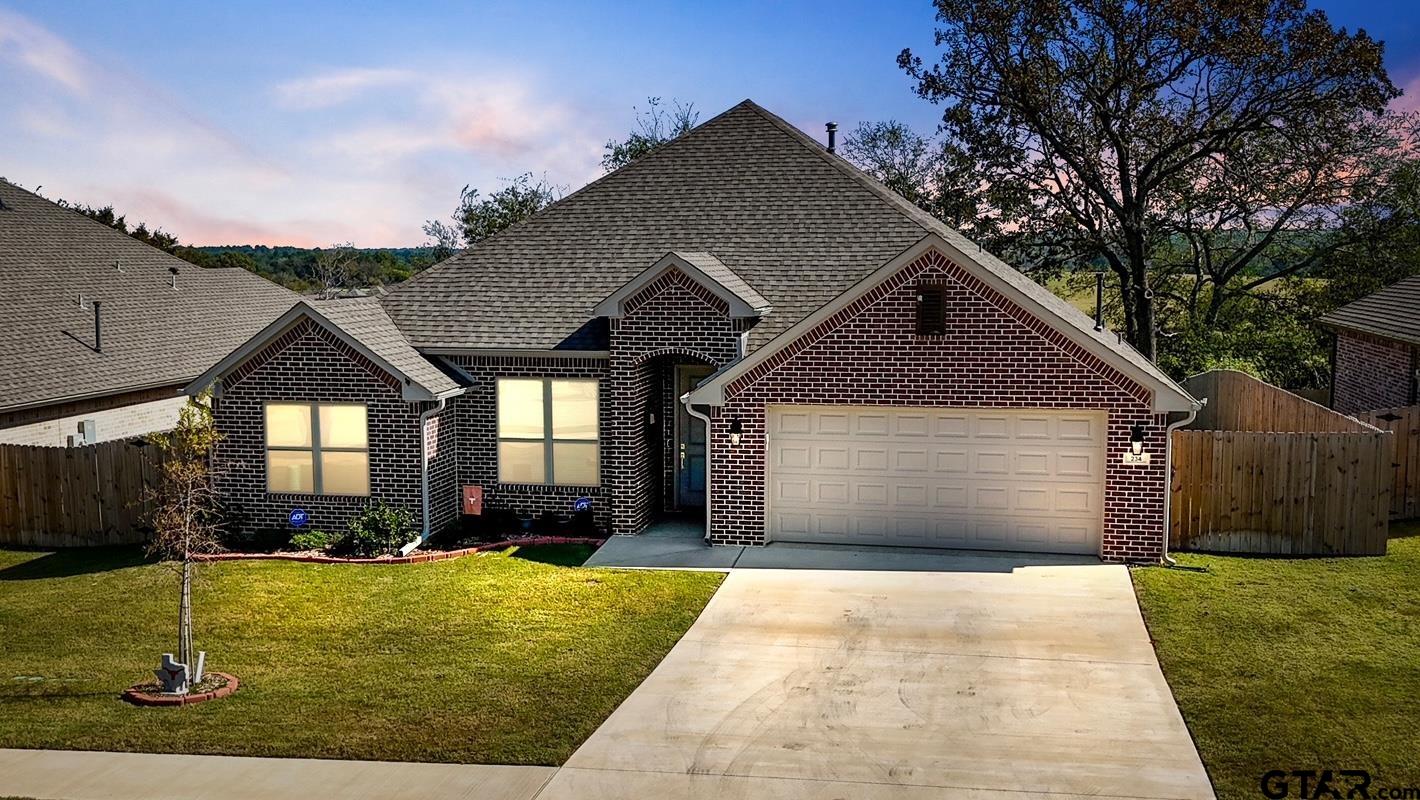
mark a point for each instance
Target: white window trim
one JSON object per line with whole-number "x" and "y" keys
{"x": 317, "y": 478}
{"x": 547, "y": 440}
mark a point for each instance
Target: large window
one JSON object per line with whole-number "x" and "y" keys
{"x": 547, "y": 431}
{"x": 317, "y": 448}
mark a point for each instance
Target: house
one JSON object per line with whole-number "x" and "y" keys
{"x": 740, "y": 327}
{"x": 1376, "y": 360}
{"x": 101, "y": 332}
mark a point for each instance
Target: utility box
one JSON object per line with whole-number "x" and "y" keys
{"x": 473, "y": 500}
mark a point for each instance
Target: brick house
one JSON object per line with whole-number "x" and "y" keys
{"x": 101, "y": 332}
{"x": 740, "y": 327}
{"x": 1376, "y": 360}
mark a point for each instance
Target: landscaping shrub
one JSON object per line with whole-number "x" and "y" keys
{"x": 378, "y": 530}
{"x": 313, "y": 540}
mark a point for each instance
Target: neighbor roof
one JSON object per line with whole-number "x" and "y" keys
{"x": 774, "y": 207}
{"x": 1391, "y": 313}
{"x": 361, "y": 323}
{"x": 153, "y": 335}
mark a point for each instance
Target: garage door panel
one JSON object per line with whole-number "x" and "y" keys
{"x": 1024, "y": 480}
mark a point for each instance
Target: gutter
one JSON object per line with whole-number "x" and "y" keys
{"x": 709, "y": 448}
{"x": 1198, "y": 405}
{"x": 424, "y": 473}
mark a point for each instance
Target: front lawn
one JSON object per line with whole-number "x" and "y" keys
{"x": 1294, "y": 664}
{"x": 485, "y": 659}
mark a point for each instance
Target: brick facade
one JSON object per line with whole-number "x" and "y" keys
{"x": 476, "y": 420}
{"x": 1370, "y": 373}
{"x": 308, "y": 364}
{"x": 994, "y": 354}
{"x": 672, "y": 320}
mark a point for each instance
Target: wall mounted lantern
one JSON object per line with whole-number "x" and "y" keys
{"x": 736, "y": 431}
{"x": 1136, "y": 439}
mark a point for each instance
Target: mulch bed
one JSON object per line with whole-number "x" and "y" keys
{"x": 214, "y": 685}
{"x": 413, "y": 558}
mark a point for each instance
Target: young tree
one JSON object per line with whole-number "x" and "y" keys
{"x": 186, "y": 518}
{"x": 654, "y": 127}
{"x": 1129, "y": 126}
{"x": 334, "y": 268}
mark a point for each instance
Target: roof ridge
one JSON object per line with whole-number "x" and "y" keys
{"x": 561, "y": 202}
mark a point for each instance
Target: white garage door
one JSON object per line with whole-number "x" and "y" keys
{"x": 937, "y": 477}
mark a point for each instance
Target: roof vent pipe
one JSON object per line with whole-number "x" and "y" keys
{"x": 832, "y": 129}
{"x": 98, "y": 328}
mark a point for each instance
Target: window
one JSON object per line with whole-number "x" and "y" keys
{"x": 931, "y": 310}
{"x": 547, "y": 431}
{"x": 317, "y": 448}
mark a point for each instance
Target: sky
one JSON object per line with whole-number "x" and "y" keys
{"x": 321, "y": 122}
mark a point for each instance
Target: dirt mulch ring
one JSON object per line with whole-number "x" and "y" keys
{"x": 213, "y": 686}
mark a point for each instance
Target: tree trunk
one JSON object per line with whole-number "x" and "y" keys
{"x": 185, "y": 619}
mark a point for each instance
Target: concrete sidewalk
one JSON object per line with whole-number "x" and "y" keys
{"x": 82, "y": 775}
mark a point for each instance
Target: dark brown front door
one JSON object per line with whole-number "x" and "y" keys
{"x": 689, "y": 442}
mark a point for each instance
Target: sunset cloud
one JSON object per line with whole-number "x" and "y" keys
{"x": 40, "y": 52}
{"x": 337, "y": 87}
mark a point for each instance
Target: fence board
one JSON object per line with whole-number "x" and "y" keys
{"x": 75, "y": 496}
{"x": 1404, "y": 477}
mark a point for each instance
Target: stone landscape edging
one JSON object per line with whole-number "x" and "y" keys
{"x": 139, "y": 697}
{"x": 413, "y": 558}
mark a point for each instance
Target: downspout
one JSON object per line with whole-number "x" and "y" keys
{"x": 709, "y": 448}
{"x": 424, "y": 473}
{"x": 1168, "y": 473}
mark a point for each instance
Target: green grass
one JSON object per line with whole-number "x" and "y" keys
{"x": 1294, "y": 663}
{"x": 484, "y": 659}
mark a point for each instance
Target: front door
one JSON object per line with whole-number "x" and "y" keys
{"x": 689, "y": 442}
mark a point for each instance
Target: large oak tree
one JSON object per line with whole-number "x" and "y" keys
{"x": 1221, "y": 141}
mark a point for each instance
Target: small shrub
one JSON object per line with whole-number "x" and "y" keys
{"x": 548, "y": 523}
{"x": 313, "y": 540}
{"x": 379, "y": 530}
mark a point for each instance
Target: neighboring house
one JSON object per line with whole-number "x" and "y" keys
{"x": 1376, "y": 360}
{"x": 868, "y": 374}
{"x": 99, "y": 332}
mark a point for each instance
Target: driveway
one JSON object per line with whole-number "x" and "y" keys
{"x": 872, "y": 684}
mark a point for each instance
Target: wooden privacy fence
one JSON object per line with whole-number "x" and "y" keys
{"x": 76, "y": 496}
{"x": 1265, "y": 471}
{"x": 1404, "y": 423}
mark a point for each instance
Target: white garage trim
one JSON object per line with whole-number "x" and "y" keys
{"x": 971, "y": 478}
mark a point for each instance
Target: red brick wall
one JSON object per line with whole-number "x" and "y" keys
{"x": 672, "y": 320}
{"x": 308, "y": 364}
{"x": 1372, "y": 373}
{"x": 995, "y": 354}
{"x": 476, "y": 415}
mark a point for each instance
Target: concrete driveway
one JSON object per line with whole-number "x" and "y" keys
{"x": 859, "y": 684}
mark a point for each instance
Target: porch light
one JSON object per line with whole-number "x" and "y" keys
{"x": 650, "y": 418}
{"x": 736, "y": 431}
{"x": 1136, "y": 439}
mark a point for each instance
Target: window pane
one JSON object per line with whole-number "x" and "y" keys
{"x": 289, "y": 471}
{"x": 342, "y": 426}
{"x": 521, "y": 462}
{"x": 574, "y": 464}
{"x": 344, "y": 473}
{"x": 519, "y": 409}
{"x": 574, "y": 410}
{"x": 288, "y": 425}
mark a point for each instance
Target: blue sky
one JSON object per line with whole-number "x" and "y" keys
{"x": 318, "y": 122}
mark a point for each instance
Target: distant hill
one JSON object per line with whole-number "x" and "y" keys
{"x": 295, "y": 267}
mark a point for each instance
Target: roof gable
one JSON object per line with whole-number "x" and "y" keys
{"x": 703, "y": 268}
{"x": 362, "y": 325}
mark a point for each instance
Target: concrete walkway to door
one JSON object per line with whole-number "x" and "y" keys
{"x": 876, "y": 684}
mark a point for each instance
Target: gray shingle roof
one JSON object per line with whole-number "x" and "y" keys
{"x": 798, "y": 224}
{"x": 153, "y": 335}
{"x": 716, "y": 270}
{"x": 778, "y": 214}
{"x": 367, "y": 323}
{"x": 1391, "y": 313}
